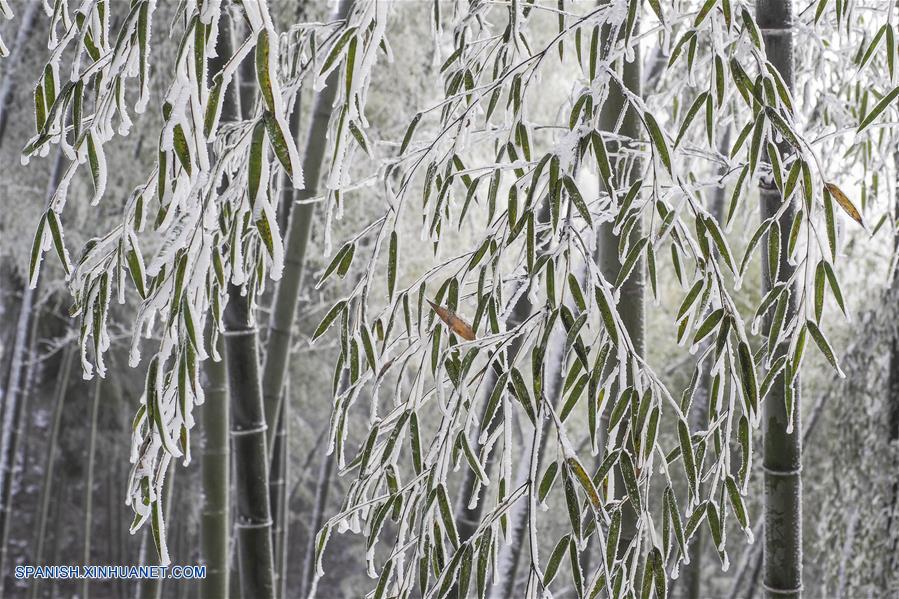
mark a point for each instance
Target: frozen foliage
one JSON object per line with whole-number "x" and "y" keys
{"x": 209, "y": 198}
{"x": 657, "y": 479}
{"x": 500, "y": 386}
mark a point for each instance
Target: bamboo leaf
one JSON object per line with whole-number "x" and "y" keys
{"x": 254, "y": 167}
{"x": 452, "y": 320}
{"x": 824, "y": 346}
{"x": 577, "y": 199}
{"x": 877, "y": 110}
{"x": 56, "y": 232}
{"x": 263, "y": 75}
{"x": 844, "y": 202}
{"x": 691, "y": 113}
{"x": 392, "y": 258}
{"x": 279, "y": 142}
{"x": 329, "y": 319}
{"x": 658, "y": 140}
{"x": 689, "y": 458}
{"x": 834, "y": 285}
{"x": 555, "y": 558}
{"x": 630, "y": 481}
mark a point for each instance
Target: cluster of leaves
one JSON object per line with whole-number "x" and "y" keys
{"x": 539, "y": 240}
{"x": 209, "y": 203}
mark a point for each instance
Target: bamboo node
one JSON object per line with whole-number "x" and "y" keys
{"x": 249, "y": 431}
{"x": 239, "y": 332}
{"x": 782, "y": 473}
{"x": 777, "y": 591}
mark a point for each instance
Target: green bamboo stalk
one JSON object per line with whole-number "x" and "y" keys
{"x": 277, "y": 496}
{"x": 893, "y": 390}
{"x": 89, "y": 484}
{"x": 14, "y": 455}
{"x": 318, "y": 510}
{"x": 215, "y": 519}
{"x": 254, "y": 520}
{"x": 631, "y": 301}
{"x": 62, "y": 384}
{"x": 11, "y": 63}
{"x": 297, "y": 238}
{"x": 782, "y": 451}
{"x": 11, "y": 397}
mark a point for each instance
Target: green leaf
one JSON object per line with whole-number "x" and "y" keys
{"x": 182, "y": 149}
{"x": 781, "y": 125}
{"x": 701, "y": 15}
{"x": 577, "y": 199}
{"x": 36, "y": 249}
{"x": 691, "y": 113}
{"x": 56, "y": 232}
{"x": 658, "y": 140}
{"x": 748, "y": 378}
{"x": 824, "y": 346}
{"x": 547, "y": 481}
{"x": 830, "y": 224}
{"x": 392, "y": 257}
{"x": 630, "y": 481}
{"x": 137, "y": 272}
{"x": 254, "y": 167}
{"x": 877, "y": 110}
{"x": 336, "y": 50}
{"x": 834, "y": 285}
{"x": 351, "y": 65}
{"x": 263, "y": 75}
{"x": 689, "y": 458}
{"x": 329, "y": 319}
{"x": 279, "y": 142}
{"x": 607, "y": 315}
{"x": 410, "y": 130}
{"x": 630, "y": 261}
{"x": 555, "y": 558}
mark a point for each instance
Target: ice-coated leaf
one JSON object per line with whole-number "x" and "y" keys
{"x": 329, "y": 319}
{"x": 263, "y": 68}
{"x": 555, "y": 559}
{"x": 878, "y": 109}
{"x": 824, "y": 346}
{"x": 577, "y": 199}
{"x": 254, "y": 166}
{"x": 658, "y": 140}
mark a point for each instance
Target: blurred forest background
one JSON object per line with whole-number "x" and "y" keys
{"x": 63, "y": 501}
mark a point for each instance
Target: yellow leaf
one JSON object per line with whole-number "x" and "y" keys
{"x": 844, "y": 202}
{"x": 456, "y": 324}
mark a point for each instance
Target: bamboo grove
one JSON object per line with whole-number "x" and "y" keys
{"x": 508, "y": 380}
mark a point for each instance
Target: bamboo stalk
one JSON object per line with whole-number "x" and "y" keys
{"x": 254, "y": 521}
{"x": 277, "y": 497}
{"x": 11, "y": 396}
{"x": 11, "y": 63}
{"x": 62, "y": 384}
{"x": 215, "y": 519}
{"x": 630, "y": 305}
{"x": 318, "y": 510}
{"x": 296, "y": 240}
{"x": 89, "y": 484}
{"x": 782, "y": 450}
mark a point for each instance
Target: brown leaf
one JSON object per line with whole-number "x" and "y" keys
{"x": 456, "y": 324}
{"x": 844, "y": 202}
